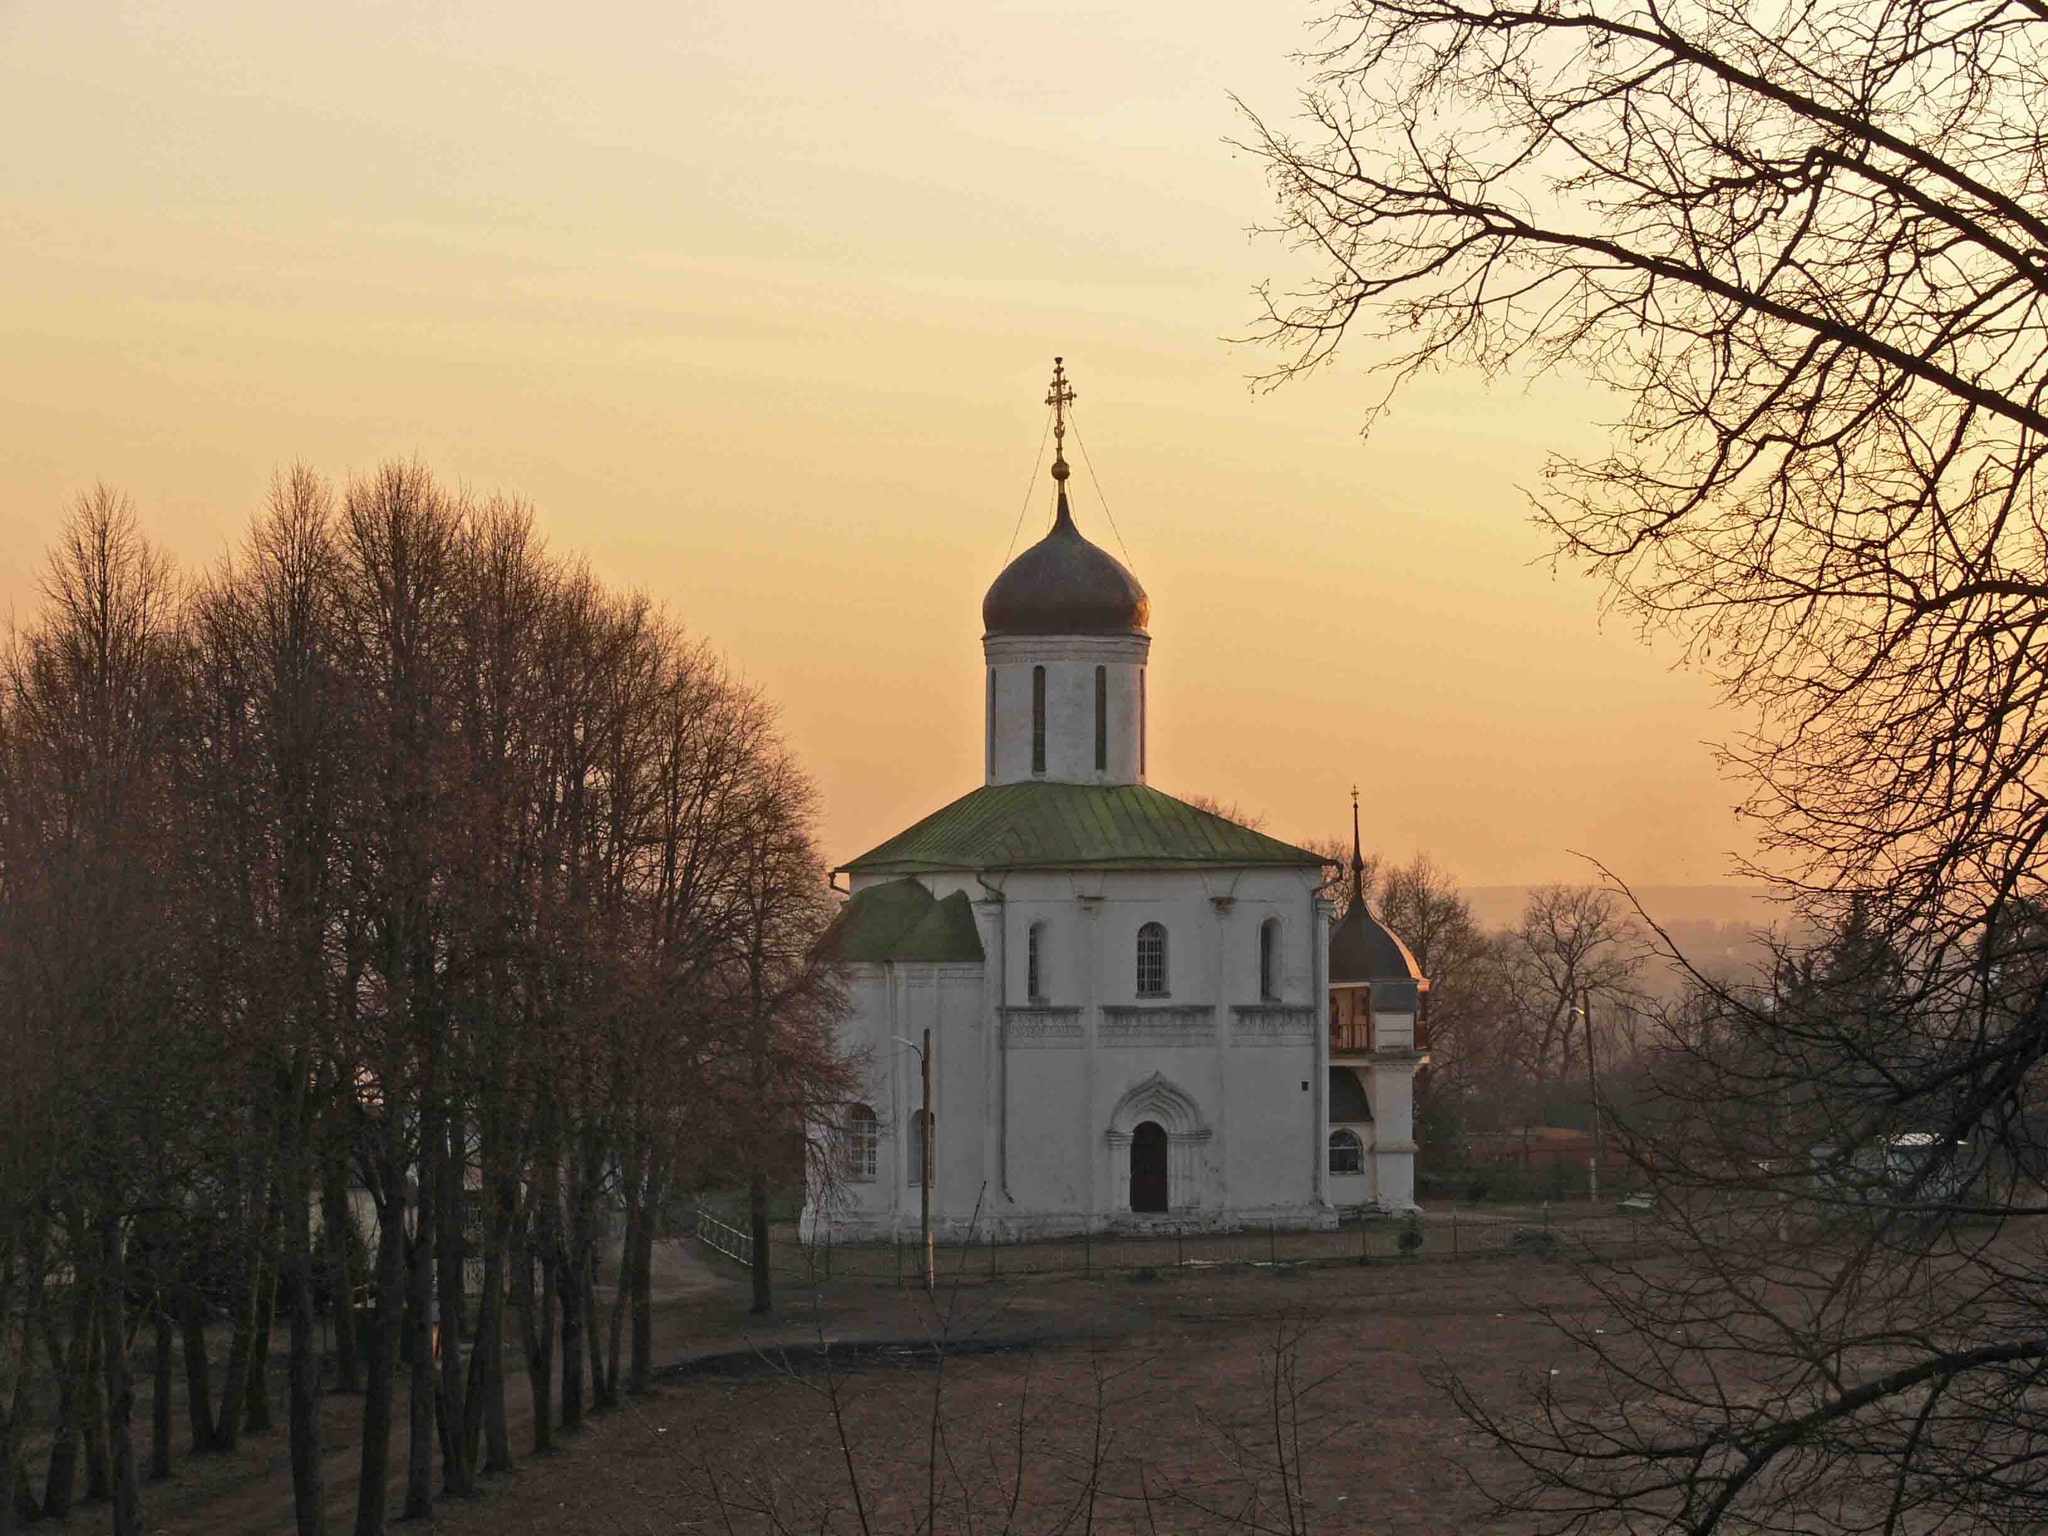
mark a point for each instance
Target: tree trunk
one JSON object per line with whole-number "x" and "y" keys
{"x": 60, "y": 1479}
{"x": 457, "y": 1478}
{"x": 380, "y": 1374}
{"x": 640, "y": 1265}
{"x": 198, "y": 1371}
{"x": 622, "y": 1293}
{"x": 537, "y": 1313}
{"x": 17, "y": 1502}
{"x": 419, "y": 1323}
{"x": 160, "y": 1397}
{"x": 336, "y": 1223}
{"x": 569, "y": 1290}
{"x": 256, "y": 1399}
{"x": 234, "y": 1391}
{"x": 92, "y": 1420}
{"x": 302, "y": 1360}
{"x": 120, "y": 1405}
{"x": 488, "y": 1404}
{"x": 757, "y": 1223}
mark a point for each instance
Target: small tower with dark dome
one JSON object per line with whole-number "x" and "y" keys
{"x": 1065, "y": 641}
{"x": 1376, "y": 998}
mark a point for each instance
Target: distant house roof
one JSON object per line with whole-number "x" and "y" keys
{"x": 1073, "y": 826}
{"x": 901, "y": 920}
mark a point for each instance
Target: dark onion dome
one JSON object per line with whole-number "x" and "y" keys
{"x": 1363, "y": 949}
{"x": 1064, "y": 585}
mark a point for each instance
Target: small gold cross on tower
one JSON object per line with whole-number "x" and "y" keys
{"x": 1059, "y": 398}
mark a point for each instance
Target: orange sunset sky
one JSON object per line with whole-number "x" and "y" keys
{"x": 757, "y": 304}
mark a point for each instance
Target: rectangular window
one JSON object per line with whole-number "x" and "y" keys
{"x": 1152, "y": 961}
{"x": 863, "y": 1145}
{"x": 1038, "y": 719}
{"x": 1101, "y": 719}
{"x": 1034, "y": 988}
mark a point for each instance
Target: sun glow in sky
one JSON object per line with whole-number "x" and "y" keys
{"x": 757, "y": 305}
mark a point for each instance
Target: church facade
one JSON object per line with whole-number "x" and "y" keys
{"x": 1125, "y": 1004}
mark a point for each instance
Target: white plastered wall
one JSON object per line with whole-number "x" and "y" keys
{"x": 1036, "y": 1099}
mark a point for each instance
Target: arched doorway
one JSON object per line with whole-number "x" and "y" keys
{"x": 1148, "y": 1166}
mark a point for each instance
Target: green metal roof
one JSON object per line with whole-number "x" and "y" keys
{"x": 903, "y": 921}
{"x": 1068, "y": 826}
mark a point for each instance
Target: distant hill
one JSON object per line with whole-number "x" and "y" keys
{"x": 1745, "y": 906}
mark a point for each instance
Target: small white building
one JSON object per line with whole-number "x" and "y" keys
{"x": 1123, "y": 995}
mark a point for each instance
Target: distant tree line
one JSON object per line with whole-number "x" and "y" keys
{"x": 394, "y": 863}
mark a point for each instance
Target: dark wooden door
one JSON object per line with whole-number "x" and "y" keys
{"x": 1148, "y": 1167}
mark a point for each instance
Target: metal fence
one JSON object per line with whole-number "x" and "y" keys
{"x": 1450, "y": 1234}
{"x": 722, "y": 1237}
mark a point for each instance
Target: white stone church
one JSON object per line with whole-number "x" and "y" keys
{"x": 1138, "y": 1012}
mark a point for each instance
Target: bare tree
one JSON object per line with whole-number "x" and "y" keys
{"x": 1804, "y": 247}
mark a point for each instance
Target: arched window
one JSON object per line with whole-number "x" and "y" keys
{"x": 1347, "y": 1152}
{"x": 1152, "y": 961}
{"x": 917, "y": 1140}
{"x": 1269, "y": 959}
{"x": 990, "y": 751}
{"x": 863, "y": 1141}
{"x": 1034, "y": 964}
{"x": 1101, "y": 718}
{"x": 1038, "y": 719}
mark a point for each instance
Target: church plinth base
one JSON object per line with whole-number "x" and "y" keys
{"x": 955, "y": 1232}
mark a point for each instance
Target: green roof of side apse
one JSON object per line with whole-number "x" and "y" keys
{"x": 1065, "y": 826}
{"x": 902, "y": 921}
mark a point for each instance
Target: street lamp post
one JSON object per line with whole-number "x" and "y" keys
{"x": 1585, "y": 1011}
{"x": 924, "y": 1155}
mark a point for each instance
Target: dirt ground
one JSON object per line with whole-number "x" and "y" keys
{"x": 1121, "y": 1404}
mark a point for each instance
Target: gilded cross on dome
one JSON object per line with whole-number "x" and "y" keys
{"x": 1059, "y": 398}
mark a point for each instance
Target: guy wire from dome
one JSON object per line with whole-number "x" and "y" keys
{"x": 1029, "y": 486}
{"x": 1101, "y": 500}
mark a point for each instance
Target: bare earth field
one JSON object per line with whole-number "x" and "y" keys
{"x": 1129, "y": 1404}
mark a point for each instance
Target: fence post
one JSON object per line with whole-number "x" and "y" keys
{"x": 1179, "y": 1253}
{"x": 1272, "y": 1241}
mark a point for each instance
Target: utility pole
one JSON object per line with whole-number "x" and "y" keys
{"x": 924, "y": 1156}
{"x": 1593, "y": 1091}
{"x": 924, "y": 1193}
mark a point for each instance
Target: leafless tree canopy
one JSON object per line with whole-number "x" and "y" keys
{"x": 1806, "y": 249}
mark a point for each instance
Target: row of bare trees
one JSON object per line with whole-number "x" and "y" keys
{"x": 386, "y": 917}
